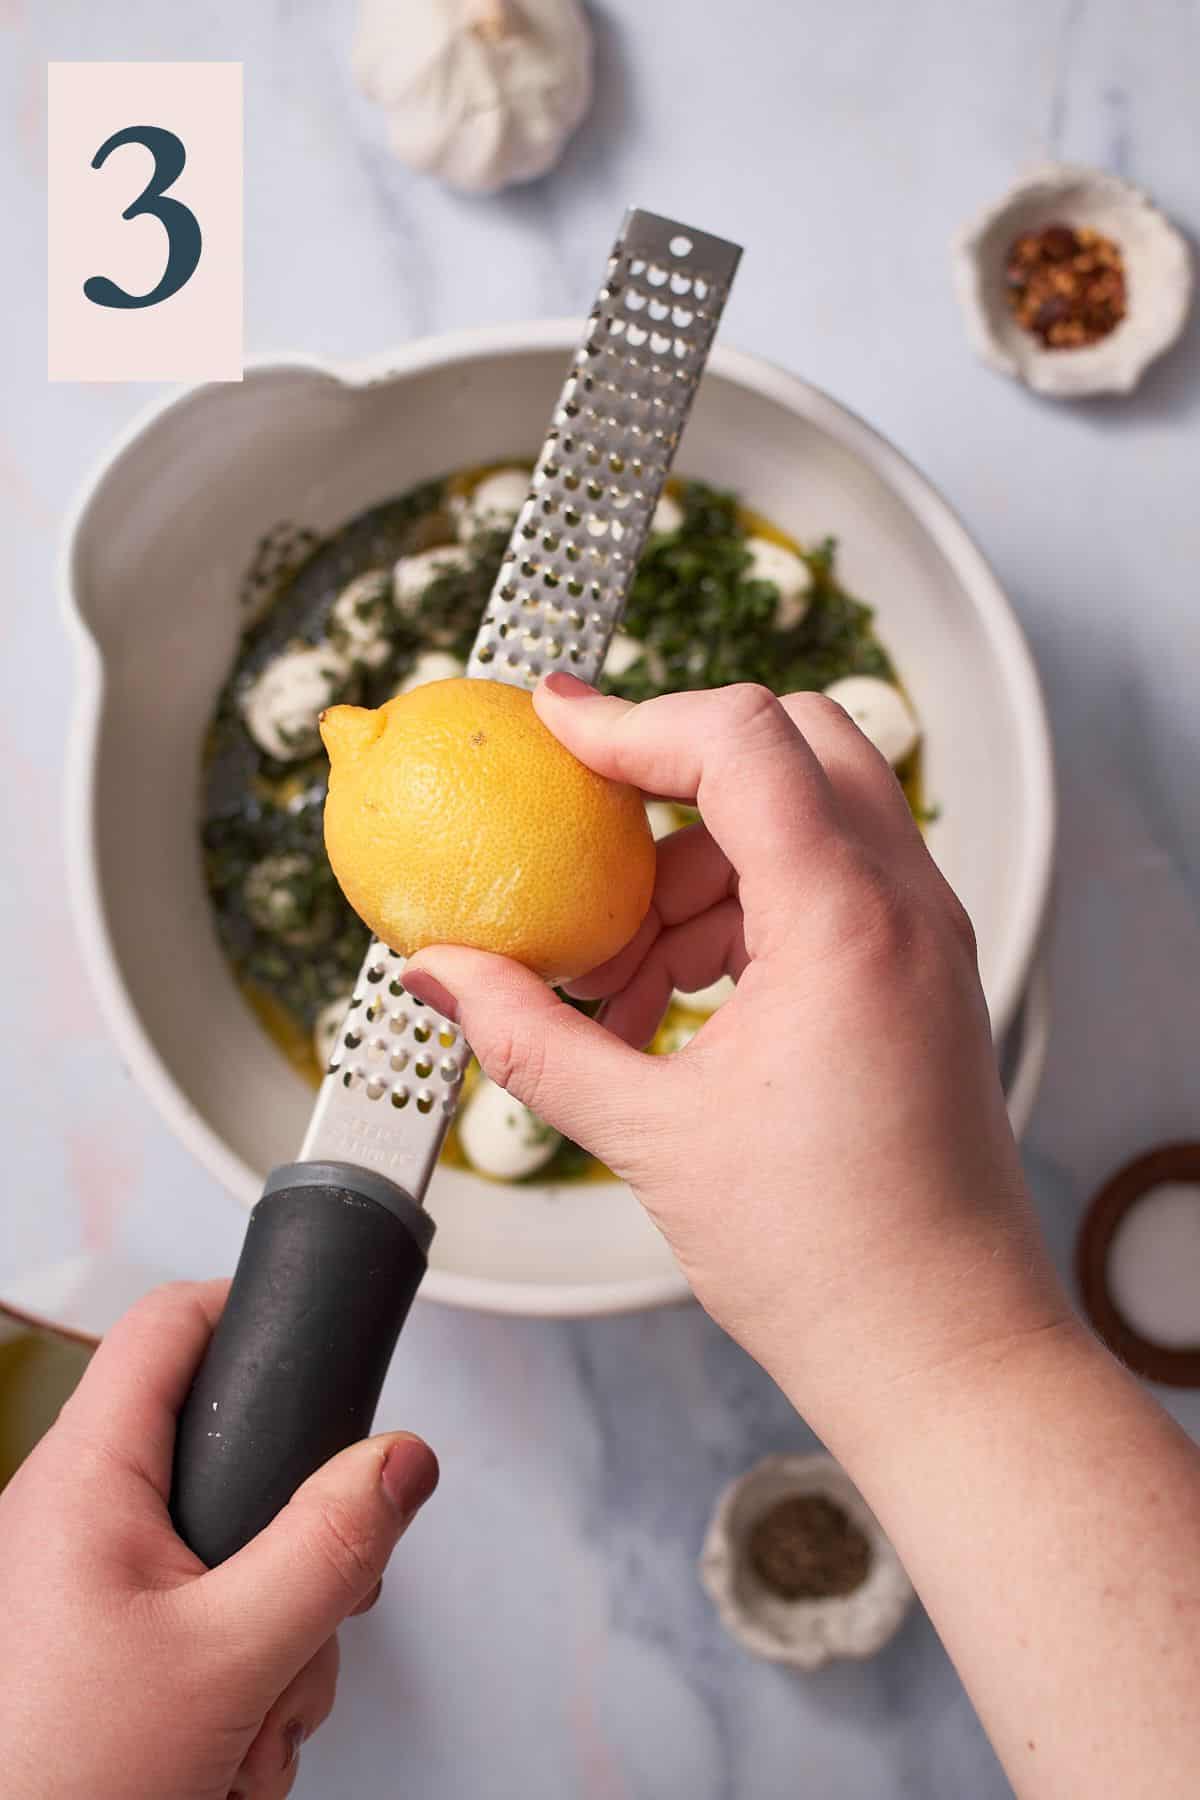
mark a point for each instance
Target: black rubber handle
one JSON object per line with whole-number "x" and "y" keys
{"x": 331, "y": 1262}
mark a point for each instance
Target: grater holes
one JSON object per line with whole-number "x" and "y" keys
{"x": 449, "y": 1069}
{"x": 425, "y": 1102}
{"x": 658, "y": 310}
{"x": 376, "y": 1088}
{"x": 656, "y": 275}
{"x": 423, "y": 1030}
{"x": 681, "y": 245}
{"x": 399, "y": 1097}
{"x": 352, "y": 1040}
{"x": 377, "y": 1047}
{"x": 635, "y": 300}
{"x": 485, "y": 653}
{"x": 680, "y": 284}
{"x": 423, "y": 1068}
{"x": 447, "y": 1036}
{"x": 376, "y": 972}
{"x": 395, "y": 989}
{"x": 399, "y": 1059}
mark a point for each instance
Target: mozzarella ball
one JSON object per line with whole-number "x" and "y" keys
{"x": 881, "y": 713}
{"x": 661, "y": 815}
{"x": 359, "y": 616}
{"x": 788, "y": 573}
{"x": 431, "y": 665}
{"x": 282, "y": 706}
{"x": 502, "y": 1138}
{"x": 282, "y": 898}
{"x": 668, "y": 517}
{"x": 494, "y": 504}
{"x": 706, "y": 1000}
{"x": 624, "y": 651}
{"x": 413, "y": 574}
{"x": 327, "y": 1028}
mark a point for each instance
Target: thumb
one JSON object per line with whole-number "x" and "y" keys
{"x": 565, "y": 1067}
{"x": 275, "y": 1602}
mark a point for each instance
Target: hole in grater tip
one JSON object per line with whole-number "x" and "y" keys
{"x": 681, "y": 245}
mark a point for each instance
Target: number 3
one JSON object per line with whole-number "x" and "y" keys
{"x": 177, "y": 220}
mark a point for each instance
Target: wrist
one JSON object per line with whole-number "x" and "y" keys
{"x": 901, "y": 1340}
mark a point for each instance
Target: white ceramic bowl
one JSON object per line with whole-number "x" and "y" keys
{"x": 152, "y": 564}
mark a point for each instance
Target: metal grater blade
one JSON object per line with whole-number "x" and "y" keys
{"x": 394, "y": 1077}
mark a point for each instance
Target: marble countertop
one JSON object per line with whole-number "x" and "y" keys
{"x": 543, "y": 1633}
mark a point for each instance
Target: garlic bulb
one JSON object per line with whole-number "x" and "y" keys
{"x": 479, "y": 92}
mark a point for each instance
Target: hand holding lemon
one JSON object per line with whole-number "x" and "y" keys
{"x": 454, "y": 816}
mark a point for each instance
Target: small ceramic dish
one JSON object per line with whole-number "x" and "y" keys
{"x": 805, "y": 1633}
{"x": 1158, "y": 276}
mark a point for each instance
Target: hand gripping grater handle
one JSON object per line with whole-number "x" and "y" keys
{"x": 336, "y": 1248}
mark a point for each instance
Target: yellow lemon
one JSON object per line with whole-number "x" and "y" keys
{"x": 455, "y": 817}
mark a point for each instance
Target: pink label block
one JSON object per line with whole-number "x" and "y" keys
{"x": 184, "y": 241}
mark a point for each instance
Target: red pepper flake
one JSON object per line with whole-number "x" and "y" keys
{"x": 1066, "y": 285}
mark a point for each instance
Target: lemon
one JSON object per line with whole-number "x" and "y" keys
{"x": 455, "y": 817}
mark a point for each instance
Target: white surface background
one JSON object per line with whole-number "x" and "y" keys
{"x": 542, "y": 1634}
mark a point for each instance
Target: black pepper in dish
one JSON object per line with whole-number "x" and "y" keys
{"x": 807, "y": 1548}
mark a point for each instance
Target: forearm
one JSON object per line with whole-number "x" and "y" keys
{"x": 1048, "y": 1513}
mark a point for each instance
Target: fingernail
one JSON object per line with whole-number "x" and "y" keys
{"x": 293, "y": 1737}
{"x": 422, "y": 986}
{"x": 410, "y": 1474}
{"x": 566, "y": 685}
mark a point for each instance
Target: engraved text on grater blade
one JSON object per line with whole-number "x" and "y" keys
{"x": 574, "y": 550}
{"x": 392, "y": 1081}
